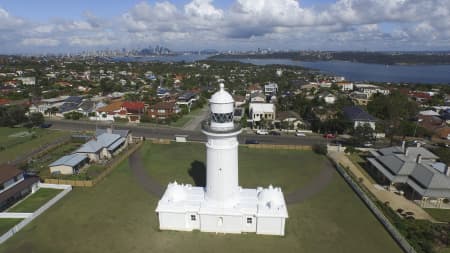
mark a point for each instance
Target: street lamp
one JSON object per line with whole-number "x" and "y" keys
{"x": 415, "y": 129}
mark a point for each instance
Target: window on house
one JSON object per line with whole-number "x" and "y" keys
{"x": 249, "y": 220}
{"x": 193, "y": 217}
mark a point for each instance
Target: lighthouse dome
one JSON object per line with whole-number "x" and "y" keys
{"x": 221, "y": 97}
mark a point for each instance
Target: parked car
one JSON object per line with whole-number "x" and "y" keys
{"x": 262, "y": 132}
{"x": 274, "y": 133}
{"x": 251, "y": 142}
{"x": 46, "y": 125}
{"x": 368, "y": 144}
{"x": 329, "y": 136}
{"x": 300, "y": 134}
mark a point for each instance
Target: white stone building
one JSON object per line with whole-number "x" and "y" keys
{"x": 222, "y": 206}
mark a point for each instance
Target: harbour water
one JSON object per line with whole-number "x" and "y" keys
{"x": 353, "y": 71}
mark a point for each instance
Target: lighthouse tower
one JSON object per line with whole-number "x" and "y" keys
{"x": 222, "y": 206}
{"x": 222, "y": 186}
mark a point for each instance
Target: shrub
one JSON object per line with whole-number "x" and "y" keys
{"x": 320, "y": 149}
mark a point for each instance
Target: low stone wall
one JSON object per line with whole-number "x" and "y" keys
{"x": 273, "y": 146}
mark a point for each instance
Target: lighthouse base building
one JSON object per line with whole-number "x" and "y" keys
{"x": 222, "y": 206}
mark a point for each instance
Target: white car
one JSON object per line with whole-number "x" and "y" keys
{"x": 300, "y": 134}
{"x": 262, "y": 132}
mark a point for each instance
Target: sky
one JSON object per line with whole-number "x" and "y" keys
{"x": 56, "y": 26}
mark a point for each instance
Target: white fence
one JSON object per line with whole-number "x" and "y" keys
{"x": 66, "y": 189}
{"x": 15, "y": 215}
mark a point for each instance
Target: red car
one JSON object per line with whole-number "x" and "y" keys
{"x": 329, "y": 136}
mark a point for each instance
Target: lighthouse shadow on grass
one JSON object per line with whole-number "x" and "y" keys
{"x": 198, "y": 173}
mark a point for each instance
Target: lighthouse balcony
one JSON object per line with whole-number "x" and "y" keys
{"x": 206, "y": 127}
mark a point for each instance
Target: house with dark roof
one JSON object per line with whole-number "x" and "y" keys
{"x": 14, "y": 185}
{"x": 187, "y": 99}
{"x": 415, "y": 170}
{"x": 359, "y": 117}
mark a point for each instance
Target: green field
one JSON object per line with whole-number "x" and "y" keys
{"x": 6, "y": 224}
{"x": 186, "y": 118}
{"x": 15, "y": 142}
{"x": 442, "y": 215}
{"x": 34, "y": 201}
{"x": 118, "y": 216}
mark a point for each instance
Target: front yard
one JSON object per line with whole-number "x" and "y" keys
{"x": 34, "y": 201}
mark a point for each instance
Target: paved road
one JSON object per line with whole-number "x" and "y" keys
{"x": 169, "y": 133}
{"x": 195, "y": 123}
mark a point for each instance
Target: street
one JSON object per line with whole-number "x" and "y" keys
{"x": 161, "y": 132}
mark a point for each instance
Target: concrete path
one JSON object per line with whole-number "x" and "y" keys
{"x": 194, "y": 123}
{"x": 395, "y": 201}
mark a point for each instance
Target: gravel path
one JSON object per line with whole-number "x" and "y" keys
{"x": 143, "y": 178}
{"x": 153, "y": 187}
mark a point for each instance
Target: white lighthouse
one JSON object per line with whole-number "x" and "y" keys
{"x": 222, "y": 206}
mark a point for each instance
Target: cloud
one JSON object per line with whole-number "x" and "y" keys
{"x": 343, "y": 24}
{"x": 40, "y": 42}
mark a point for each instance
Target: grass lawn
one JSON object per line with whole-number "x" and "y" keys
{"x": 439, "y": 214}
{"x": 295, "y": 169}
{"x": 6, "y": 224}
{"x": 16, "y": 146}
{"x": 118, "y": 216}
{"x": 34, "y": 201}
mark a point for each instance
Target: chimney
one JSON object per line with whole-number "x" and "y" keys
{"x": 419, "y": 159}
{"x": 109, "y": 130}
{"x": 447, "y": 171}
{"x": 418, "y": 144}
{"x": 404, "y": 147}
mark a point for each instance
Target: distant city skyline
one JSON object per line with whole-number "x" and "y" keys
{"x": 51, "y": 26}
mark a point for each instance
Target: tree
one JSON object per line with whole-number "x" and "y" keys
{"x": 393, "y": 109}
{"x": 36, "y": 118}
{"x": 12, "y": 115}
{"x": 362, "y": 134}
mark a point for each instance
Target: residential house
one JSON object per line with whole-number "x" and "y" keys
{"x": 163, "y": 110}
{"x": 345, "y": 86}
{"x": 239, "y": 100}
{"x": 257, "y": 97}
{"x": 360, "y": 98}
{"x": 102, "y": 147}
{"x": 289, "y": 120}
{"x": 328, "y": 97}
{"x": 415, "y": 170}
{"x": 187, "y": 99}
{"x": 124, "y": 133}
{"x": 14, "y": 185}
{"x": 70, "y": 104}
{"x": 69, "y": 164}
{"x": 359, "y": 117}
{"x": 110, "y": 111}
{"x": 436, "y": 125}
{"x": 270, "y": 88}
{"x": 371, "y": 89}
{"x": 261, "y": 112}
{"x": 27, "y": 80}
